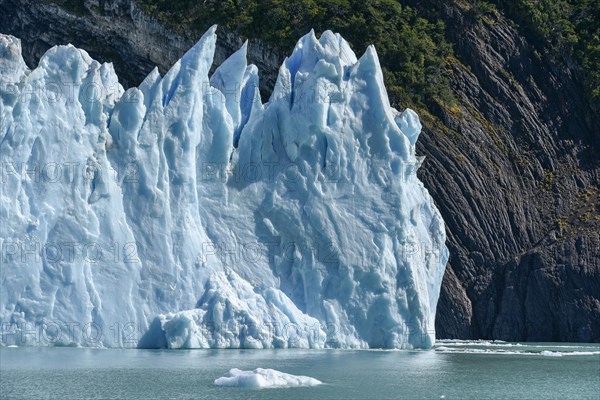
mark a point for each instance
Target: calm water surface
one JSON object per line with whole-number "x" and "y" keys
{"x": 453, "y": 370}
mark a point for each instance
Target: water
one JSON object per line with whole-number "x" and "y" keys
{"x": 454, "y": 370}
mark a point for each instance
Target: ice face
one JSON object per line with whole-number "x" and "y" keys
{"x": 186, "y": 213}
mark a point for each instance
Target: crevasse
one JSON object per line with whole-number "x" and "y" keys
{"x": 186, "y": 214}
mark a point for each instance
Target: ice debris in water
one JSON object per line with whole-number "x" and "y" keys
{"x": 264, "y": 378}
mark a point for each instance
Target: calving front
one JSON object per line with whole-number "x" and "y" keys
{"x": 223, "y": 222}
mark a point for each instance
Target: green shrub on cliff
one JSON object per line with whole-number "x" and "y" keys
{"x": 568, "y": 28}
{"x": 412, "y": 49}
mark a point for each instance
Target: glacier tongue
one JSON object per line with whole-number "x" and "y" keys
{"x": 187, "y": 214}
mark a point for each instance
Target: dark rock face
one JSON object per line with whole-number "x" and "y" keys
{"x": 514, "y": 168}
{"x": 116, "y": 31}
{"x": 517, "y": 180}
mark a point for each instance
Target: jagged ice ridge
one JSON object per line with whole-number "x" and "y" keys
{"x": 186, "y": 214}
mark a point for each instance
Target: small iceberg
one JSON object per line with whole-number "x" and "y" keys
{"x": 551, "y": 353}
{"x": 264, "y": 378}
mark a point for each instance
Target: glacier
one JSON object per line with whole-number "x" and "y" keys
{"x": 185, "y": 213}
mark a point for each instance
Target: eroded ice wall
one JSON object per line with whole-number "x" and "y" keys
{"x": 186, "y": 213}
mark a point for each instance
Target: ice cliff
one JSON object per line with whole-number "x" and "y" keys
{"x": 186, "y": 214}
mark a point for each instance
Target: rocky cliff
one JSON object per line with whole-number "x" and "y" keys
{"x": 515, "y": 171}
{"x": 116, "y": 31}
{"x": 513, "y": 165}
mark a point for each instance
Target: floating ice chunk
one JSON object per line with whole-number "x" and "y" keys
{"x": 528, "y": 351}
{"x": 264, "y": 378}
{"x": 551, "y": 353}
